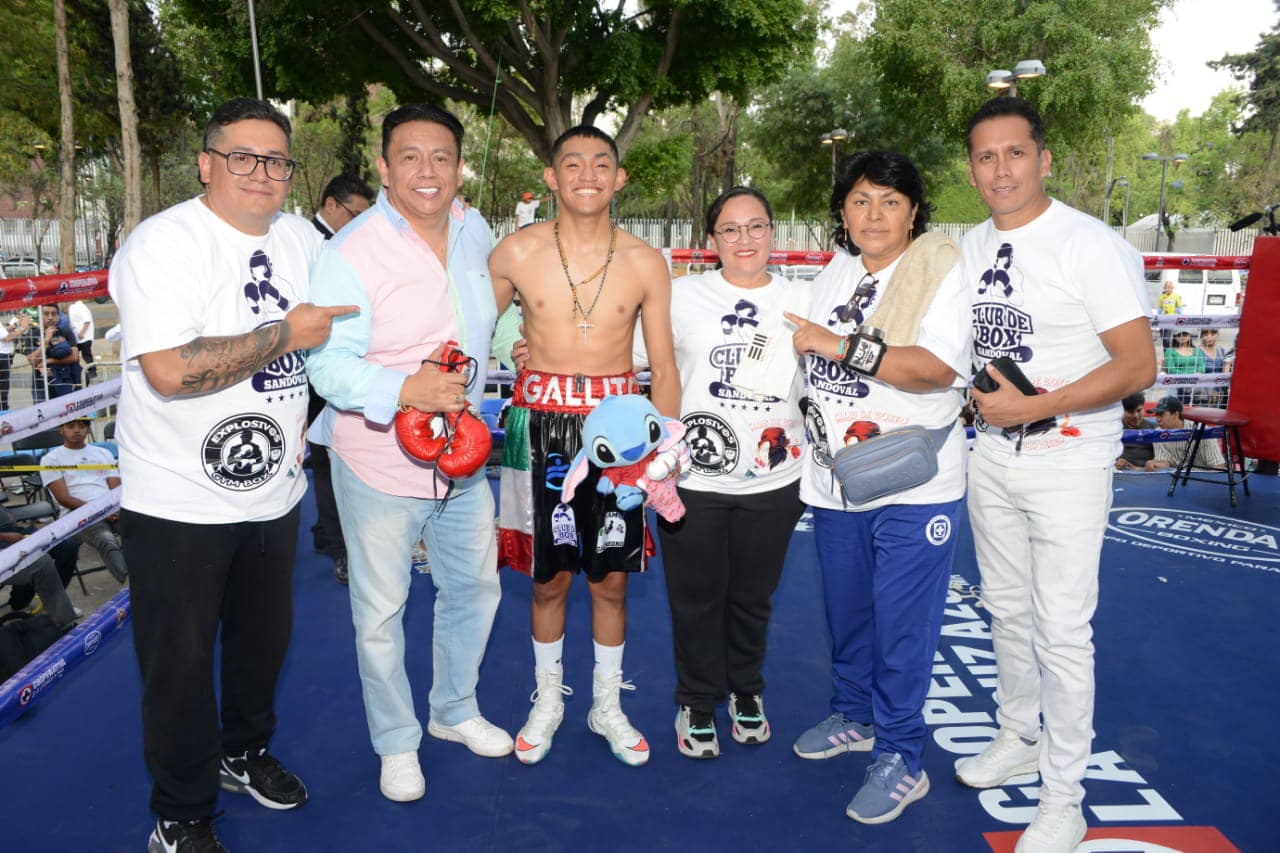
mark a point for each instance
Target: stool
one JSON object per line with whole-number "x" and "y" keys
{"x": 1202, "y": 419}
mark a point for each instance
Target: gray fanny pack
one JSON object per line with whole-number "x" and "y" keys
{"x": 889, "y": 463}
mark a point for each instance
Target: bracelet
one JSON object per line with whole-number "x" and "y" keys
{"x": 844, "y": 347}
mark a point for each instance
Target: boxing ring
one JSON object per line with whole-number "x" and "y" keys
{"x": 1185, "y": 635}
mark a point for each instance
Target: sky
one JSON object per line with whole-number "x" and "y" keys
{"x": 1194, "y": 32}
{"x": 1191, "y": 33}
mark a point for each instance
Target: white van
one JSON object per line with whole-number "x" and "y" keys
{"x": 1202, "y": 291}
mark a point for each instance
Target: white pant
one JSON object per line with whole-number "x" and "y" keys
{"x": 1038, "y": 536}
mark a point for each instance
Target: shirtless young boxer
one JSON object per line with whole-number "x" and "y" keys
{"x": 582, "y": 283}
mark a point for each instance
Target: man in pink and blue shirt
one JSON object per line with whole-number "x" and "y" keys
{"x": 416, "y": 265}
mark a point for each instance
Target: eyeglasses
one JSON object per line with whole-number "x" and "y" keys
{"x": 733, "y": 233}
{"x": 354, "y": 213}
{"x": 243, "y": 163}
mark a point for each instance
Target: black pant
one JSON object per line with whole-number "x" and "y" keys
{"x": 186, "y": 580}
{"x": 6, "y": 364}
{"x": 86, "y": 355}
{"x": 326, "y": 533}
{"x": 722, "y": 562}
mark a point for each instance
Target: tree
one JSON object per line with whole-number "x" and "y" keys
{"x": 931, "y": 56}
{"x": 545, "y": 65}
{"x": 1261, "y": 68}
{"x": 67, "y": 146}
{"x": 128, "y": 115}
{"x": 785, "y": 127}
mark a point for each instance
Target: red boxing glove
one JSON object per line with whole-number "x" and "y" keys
{"x": 468, "y": 447}
{"x": 458, "y": 442}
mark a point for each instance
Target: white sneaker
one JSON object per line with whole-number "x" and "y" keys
{"x": 1005, "y": 757}
{"x": 480, "y": 736}
{"x": 1057, "y": 828}
{"x": 607, "y": 720}
{"x": 533, "y": 742}
{"x": 401, "y": 780}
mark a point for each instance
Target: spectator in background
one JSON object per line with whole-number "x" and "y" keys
{"x": 75, "y": 488}
{"x": 1169, "y": 303}
{"x": 1183, "y": 357}
{"x": 42, "y": 574}
{"x": 1136, "y": 454}
{"x": 527, "y": 210}
{"x": 18, "y": 326}
{"x": 1216, "y": 360}
{"x": 1169, "y": 453}
{"x": 82, "y": 324}
{"x": 344, "y": 198}
{"x": 58, "y": 362}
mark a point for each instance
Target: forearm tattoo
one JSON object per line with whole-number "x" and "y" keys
{"x": 211, "y": 364}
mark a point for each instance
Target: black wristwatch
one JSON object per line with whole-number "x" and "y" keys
{"x": 865, "y": 350}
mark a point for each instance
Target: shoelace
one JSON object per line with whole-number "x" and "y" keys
{"x": 1049, "y": 821}
{"x": 611, "y": 708}
{"x": 544, "y": 703}
{"x": 885, "y": 772}
{"x": 747, "y": 710}
{"x": 200, "y": 831}
{"x": 835, "y": 723}
{"x": 266, "y": 764}
{"x": 701, "y": 722}
{"x": 1003, "y": 745}
{"x": 399, "y": 765}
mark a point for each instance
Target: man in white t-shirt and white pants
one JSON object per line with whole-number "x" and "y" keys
{"x": 213, "y": 302}
{"x": 75, "y": 488}
{"x": 82, "y": 324}
{"x": 1063, "y": 297}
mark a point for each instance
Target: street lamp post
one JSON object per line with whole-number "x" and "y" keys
{"x": 1106, "y": 200}
{"x": 1164, "y": 172}
{"x": 1124, "y": 213}
{"x": 1008, "y": 80}
{"x": 831, "y": 139}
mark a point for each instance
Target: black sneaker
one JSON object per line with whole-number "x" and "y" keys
{"x": 340, "y": 569}
{"x": 696, "y": 733}
{"x": 750, "y": 725}
{"x": 264, "y": 778}
{"x": 185, "y": 836}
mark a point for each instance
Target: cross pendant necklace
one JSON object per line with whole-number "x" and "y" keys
{"x": 601, "y": 273}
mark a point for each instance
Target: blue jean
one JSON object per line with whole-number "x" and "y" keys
{"x": 379, "y": 530}
{"x": 885, "y": 574}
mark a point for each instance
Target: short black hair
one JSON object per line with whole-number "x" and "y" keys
{"x": 1134, "y": 402}
{"x": 584, "y": 130}
{"x": 343, "y": 187}
{"x": 244, "y": 109}
{"x": 717, "y": 206}
{"x": 1001, "y": 107}
{"x": 421, "y": 112}
{"x": 884, "y": 169}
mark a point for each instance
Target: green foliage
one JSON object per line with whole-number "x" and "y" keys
{"x": 565, "y": 63}
{"x": 791, "y": 116}
{"x": 933, "y": 56}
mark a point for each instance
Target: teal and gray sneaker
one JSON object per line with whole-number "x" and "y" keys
{"x": 696, "y": 733}
{"x": 887, "y": 790}
{"x": 750, "y": 725}
{"x": 833, "y": 736}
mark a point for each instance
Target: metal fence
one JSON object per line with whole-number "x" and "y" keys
{"x": 19, "y": 238}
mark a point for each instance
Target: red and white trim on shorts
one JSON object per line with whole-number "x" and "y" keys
{"x": 573, "y": 393}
